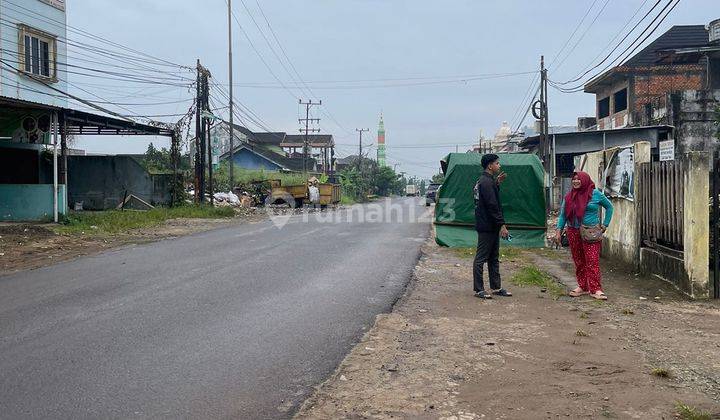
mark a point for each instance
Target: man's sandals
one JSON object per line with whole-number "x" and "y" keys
{"x": 485, "y": 295}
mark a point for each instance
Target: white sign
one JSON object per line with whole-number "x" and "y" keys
{"x": 667, "y": 150}
{"x": 58, "y": 4}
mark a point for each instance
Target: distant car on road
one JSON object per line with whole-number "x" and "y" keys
{"x": 431, "y": 193}
{"x": 412, "y": 191}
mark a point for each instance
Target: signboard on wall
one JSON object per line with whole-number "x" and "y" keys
{"x": 667, "y": 150}
{"x": 620, "y": 174}
{"x": 58, "y": 4}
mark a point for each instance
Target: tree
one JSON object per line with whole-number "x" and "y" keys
{"x": 438, "y": 179}
{"x": 160, "y": 160}
{"x": 374, "y": 179}
{"x": 386, "y": 182}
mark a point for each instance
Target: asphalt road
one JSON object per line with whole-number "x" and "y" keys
{"x": 239, "y": 322}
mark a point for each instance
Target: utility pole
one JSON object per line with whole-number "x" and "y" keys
{"x": 210, "y": 161}
{"x": 230, "y": 88}
{"x": 198, "y": 129}
{"x": 307, "y": 129}
{"x": 360, "y": 155}
{"x": 201, "y": 132}
{"x": 545, "y": 130}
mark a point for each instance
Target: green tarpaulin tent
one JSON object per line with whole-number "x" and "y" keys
{"x": 522, "y": 195}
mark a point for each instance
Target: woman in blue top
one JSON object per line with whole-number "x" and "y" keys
{"x": 581, "y": 207}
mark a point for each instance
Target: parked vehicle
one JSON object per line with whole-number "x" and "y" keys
{"x": 431, "y": 193}
{"x": 298, "y": 195}
{"x": 412, "y": 191}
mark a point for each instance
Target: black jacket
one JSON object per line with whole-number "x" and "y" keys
{"x": 488, "y": 210}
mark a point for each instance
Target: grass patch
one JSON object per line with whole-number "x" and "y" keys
{"x": 583, "y": 315}
{"x": 687, "y": 412}
{"x": 347, "y": 200}
{"x": 510, "y": 253}
{"x": 628, "y": 312}
{"x": 243, "y": 177}
{"x": 549, "y": 253}
{"x": 464, "y": 252}
{"x": 532, "y": 276}
{"x": 605, "y": 412}
{"x": 661, "y": 373}
{"x": 582, "y": 333}
{"x": 116, "y": 221}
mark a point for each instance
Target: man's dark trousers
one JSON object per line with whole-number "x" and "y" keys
{"x": 488, "y": 251}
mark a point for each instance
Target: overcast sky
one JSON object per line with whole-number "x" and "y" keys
{"x": 352, "y": 40}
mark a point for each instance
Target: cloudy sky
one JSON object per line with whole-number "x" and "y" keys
{"x": 440, "y": 72}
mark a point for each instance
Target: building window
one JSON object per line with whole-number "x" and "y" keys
{"x": 604, "y": 108}
{"x": 620, "y": 100}
{"x": 37, "y": 53}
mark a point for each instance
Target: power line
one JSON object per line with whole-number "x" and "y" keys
{"x": 527, "y": 110}
{"x": 262, "y": 59}
{"x": 533, "y": 83}
{"x": 71, "y": 28}
{"x": 84, "y": 101}
{"x": 567, "y": 41}
{"x": 110, "y": 76}
{"x": 578, "y": 77}
{"x": 296, "y": 76}
{"x": 624, "y": 55}
{"x": 617, "y": 35}
{"x": 390, "y": 85}
{"x": 582, "y": 36}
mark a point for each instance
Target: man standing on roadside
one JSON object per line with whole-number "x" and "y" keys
{"x": 490, "y": 226}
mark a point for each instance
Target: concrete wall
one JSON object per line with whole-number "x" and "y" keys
{"x": 615, "y": 119}
{"x": 696, "y": 235}
{"x": 100, "y": 182}
{"x": 693, "y": 115}
{"x": 30, "y": 202}
{"x": 46, "y": 18}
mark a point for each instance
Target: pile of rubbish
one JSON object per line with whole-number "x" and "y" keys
{"x": 223, "y": 199}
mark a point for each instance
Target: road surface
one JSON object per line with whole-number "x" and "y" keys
{"x": 239, "y": 322}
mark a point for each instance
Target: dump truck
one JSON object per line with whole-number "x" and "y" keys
{"x": 298, "y": 195}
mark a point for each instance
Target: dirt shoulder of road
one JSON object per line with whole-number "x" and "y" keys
{"x": 442, "y": 353}
{"x": 25, "y": 246}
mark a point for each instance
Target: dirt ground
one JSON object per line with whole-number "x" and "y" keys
{"x": 444, "y": 354}
{"x": 26, "y": 246}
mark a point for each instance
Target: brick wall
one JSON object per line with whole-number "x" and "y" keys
{"x": 650, "y": 83}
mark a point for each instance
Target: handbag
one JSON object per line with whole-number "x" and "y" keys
{"x": 591, "y": 234}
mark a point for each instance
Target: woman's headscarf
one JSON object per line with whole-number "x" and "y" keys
{"x": 577, "y": 199}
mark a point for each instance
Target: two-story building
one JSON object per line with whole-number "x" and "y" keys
{"x": 32, "y": 37}
{"x": 683, "y": 58}
{"x": 35, "y": 117}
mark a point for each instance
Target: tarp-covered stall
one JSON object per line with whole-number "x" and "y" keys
{"x": 522, "y": 195}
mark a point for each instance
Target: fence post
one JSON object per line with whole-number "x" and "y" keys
{"x": 696, "y": 222}
{"x": 641, "y": 154}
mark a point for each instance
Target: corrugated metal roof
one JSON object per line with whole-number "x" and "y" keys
{"x": 315, "y": 140}
{"x": 679, "y": 36}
